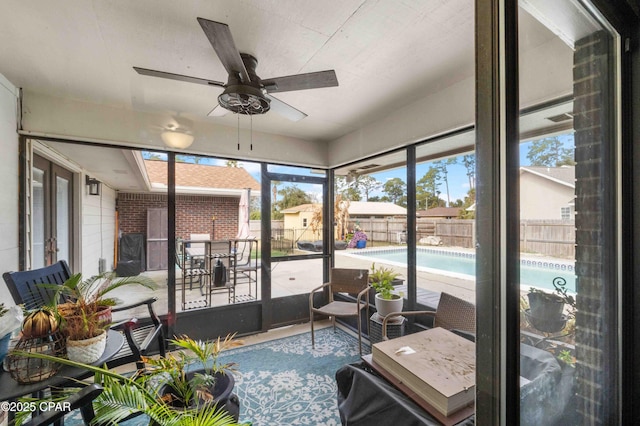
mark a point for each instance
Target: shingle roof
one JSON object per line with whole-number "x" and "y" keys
{"x": 565, "y": 174}
{"x": 302, "y": 208}
{"x": 202, "y": 175}
{"x": 358, "y": 208}
{"x": 439, "y": 212}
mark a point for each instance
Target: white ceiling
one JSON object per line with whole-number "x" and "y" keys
{"x": 386, "y": 54}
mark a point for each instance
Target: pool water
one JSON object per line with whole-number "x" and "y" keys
{"x": 533, "y": 273}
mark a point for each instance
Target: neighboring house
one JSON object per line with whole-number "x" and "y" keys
{"x": 439, "y": 213}
{"x": 547, "y": 193}
{"x": 300, "y": 217}
{"x": 297, "y": 222}
{"x": 207, "y": 201}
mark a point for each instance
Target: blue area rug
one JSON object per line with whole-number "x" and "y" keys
{"x": 284, "y": 381}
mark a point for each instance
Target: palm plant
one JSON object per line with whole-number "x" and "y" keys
{"x": 124, "y": 396}
{"x": 95, "y": 288}
{"x": 86, "y": 310}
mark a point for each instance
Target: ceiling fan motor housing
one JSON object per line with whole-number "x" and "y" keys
{"x": 245, "y": 97}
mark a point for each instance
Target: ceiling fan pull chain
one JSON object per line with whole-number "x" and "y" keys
{"x": 238, "y": 131}
{"x": 251, "y": 132}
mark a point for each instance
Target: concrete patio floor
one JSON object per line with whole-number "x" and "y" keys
{"x": 287, "y": 278}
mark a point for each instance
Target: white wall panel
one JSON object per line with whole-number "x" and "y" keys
{"x": 9, "y": 179}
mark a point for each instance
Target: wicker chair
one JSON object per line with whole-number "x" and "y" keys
{"x": 352, "y": 281}
{"x": 452, "y": 314}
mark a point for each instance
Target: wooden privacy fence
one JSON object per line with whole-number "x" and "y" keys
{"x": 554, "y": 238}
{"x": 451, "y": 232}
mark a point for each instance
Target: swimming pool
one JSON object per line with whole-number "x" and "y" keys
{"x": 533, "y": 272}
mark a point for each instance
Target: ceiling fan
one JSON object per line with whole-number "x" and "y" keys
{"x": 245, "y": 92}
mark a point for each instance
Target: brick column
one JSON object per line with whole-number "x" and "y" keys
{"x": 594, "y": 147}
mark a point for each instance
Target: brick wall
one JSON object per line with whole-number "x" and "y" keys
{"x": 596, "y": 361}
{"x": 194, "y": 214}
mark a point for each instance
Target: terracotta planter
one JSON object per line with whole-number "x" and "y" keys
{"x": 87, "y": 351}
{"x": 387, "y": 306}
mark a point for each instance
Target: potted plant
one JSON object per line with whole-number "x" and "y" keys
{"x": 168, "y": 390}
{"x": 94, "y": 291}
{"x": 359, "y": 239}
{"x": 86, "y": 313}
{"x": 86, "y": 333}
{"x": 547, "y": 310}
{"x": 183, "y": 386}
{"x": 386, "y": 299}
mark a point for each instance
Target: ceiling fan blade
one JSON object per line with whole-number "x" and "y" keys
{"x": 312, "y": 80}
{"x": 218, "y": 111}
{"x": 179, "y": 77}
{"x": 285, "y": 110}
{"x": 221, "y": 39}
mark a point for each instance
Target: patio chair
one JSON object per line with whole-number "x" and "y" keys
{"x": 25, "y": 288}
{"x": 191, "y": 270}
{"x": 244, "y": 266}
{"x": 351, "y": 281}
{"x": 453, "y": 314}
{"x": 219, "y": 258}
{"x": 81, "y": 400}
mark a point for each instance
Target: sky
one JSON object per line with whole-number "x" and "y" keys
{"x": 456, "y": 173}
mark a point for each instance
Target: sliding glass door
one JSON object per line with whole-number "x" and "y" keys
{"x": 569, "y": 215}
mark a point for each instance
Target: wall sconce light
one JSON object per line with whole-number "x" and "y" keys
{"x": 93, "y": 184}
{"x": 174, "y": 139}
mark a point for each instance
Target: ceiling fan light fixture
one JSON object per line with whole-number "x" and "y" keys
{"x": 243, "y": 99}
{"x": 178, "y": 140}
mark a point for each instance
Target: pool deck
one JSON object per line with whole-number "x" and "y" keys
{"x": 299, "y": 277}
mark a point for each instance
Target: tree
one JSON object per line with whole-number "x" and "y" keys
{"x": 184, "y": 158}
{"x": 395, "y": 188}
{"x": 469, "y": 162}
{"x": 382, "y": 199}
{"x": 469, "y": 201}
{"x": 154, "y": 156}
{"x": 550, "y": 152}
{"x": 341, "y": 216}
{"x": 348, "y": 191}
{"x": 443, "y": 174}
{"x": 366, "y": 184}
{"x": 232, "y": 163}
{"x": 292, "y": 196}
{"x": 427, "y": 192}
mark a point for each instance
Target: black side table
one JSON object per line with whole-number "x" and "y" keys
{"x": 395, "y": 327}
